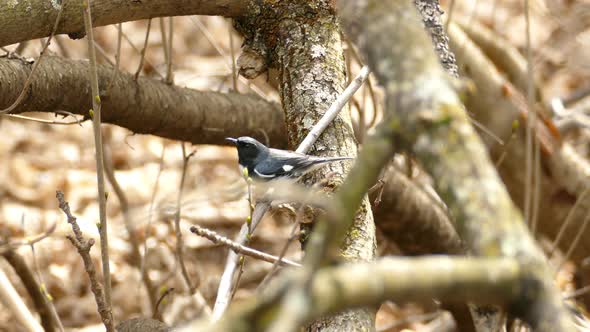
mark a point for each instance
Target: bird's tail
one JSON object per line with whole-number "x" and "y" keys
{"x": 320, "y": 160}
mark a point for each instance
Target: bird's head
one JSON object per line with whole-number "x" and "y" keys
{"x": 249, "y": 149}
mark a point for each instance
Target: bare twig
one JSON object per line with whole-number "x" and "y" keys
{"x": 234, "y": 77}
{"x": 169, "y": 73}
{"x": 129, "y": 225}
{"x": 103, "y": 53}
{"x": 30, "y": 240}
{"x": 95, "y": 114}
{"x": 190, "y": 288}
{"x": 136, "y": 49}
{"x": 568, "y": 219}
{"x": 241, "y": 249}
{"x": 179, "y": 242}
{"x": 151, "y": 209}
{"x": 28, "y": 118}
{"x": 292, "y": 236}
{"x": 117, "y": 56}
{"x": 334, "y": 110}
{"x": 144, "y": 49}
{"x": 164, "y": 39}
{"x": 575, "y": 242}
{"x": 83, "y": 247}
{"x": 160, "y": 300}
{"x": 577, "y": 292}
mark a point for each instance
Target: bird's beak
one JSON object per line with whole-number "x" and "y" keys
{"x": 230, "y": 139}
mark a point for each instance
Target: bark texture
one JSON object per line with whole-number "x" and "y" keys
{"x": 497, "y": 105}
{"x": 39, "y": 15}
{"x": 144, "y": 106}
{"x": 302, "y": 40}
{"x": 413, "y": 219}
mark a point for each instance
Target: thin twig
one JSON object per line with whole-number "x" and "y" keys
{"x": 334, "y": 110}
{"x": 25, "y": 90}
{"x": 103, "y": 53}
{"x": 83, "y": 247}
{"x": 575, "y": 242}
{"x": 169, "y": 73}
{"x": 54, "y": 122}
{"x": 213, "y": 41}
{"x": 128, "y": 40}
{"x": 164, "y": 39}
{"x": 143, "y": 50}
{"x": 234, "y": 73}
{"x": 577, "y": 292}
{"x": 45, "y": 292}
{"x": 357, "y": 58}
{"x": 151, "y": 209}
{"x": 292, "y": 236}
{"x": 160, "y": 301}
{"x": 532, "y": 146}
{"x": 129, "y": 225}
{"x": 95, "y": 113}
{"x": 226, "y": 283}
{"x": 568, "y": 219}
{"x": 241, "y": 259}
{"x": 179, "y": 242}
{"x": 117, "y": 56}
{"x": 30, "y": 240}
{"x": 241, "y": 249}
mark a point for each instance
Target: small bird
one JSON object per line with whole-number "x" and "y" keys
{"x": 265, "y": 163}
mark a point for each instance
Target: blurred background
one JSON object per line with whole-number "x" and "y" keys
{"x": 39, "y": 158}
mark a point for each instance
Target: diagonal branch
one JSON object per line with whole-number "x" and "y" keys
{"x": 428, "y": 119}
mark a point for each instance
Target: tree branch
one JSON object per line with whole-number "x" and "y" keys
{"x": 144, "y": 107}
{"x": 38, "y": 15}
{"x": 456, "y": 279}
{"x": 428, "y": 119}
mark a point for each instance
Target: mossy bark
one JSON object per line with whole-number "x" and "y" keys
{"x": 302, "y": 40}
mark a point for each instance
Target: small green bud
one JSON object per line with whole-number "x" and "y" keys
{"x": 245, "y": 172}
{"x": 97, "y": 98}
{"x": 91, "y": 113}
{"x": 515, "y": 125}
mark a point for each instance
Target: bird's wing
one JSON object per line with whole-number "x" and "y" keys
{"x": 282, "y": 163}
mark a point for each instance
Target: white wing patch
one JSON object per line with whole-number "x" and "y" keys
{"x": 287, "y": 168}
{"x": 263, "y": 175}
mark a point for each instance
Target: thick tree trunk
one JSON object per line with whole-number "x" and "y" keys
{"x": 302, "y": 39}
